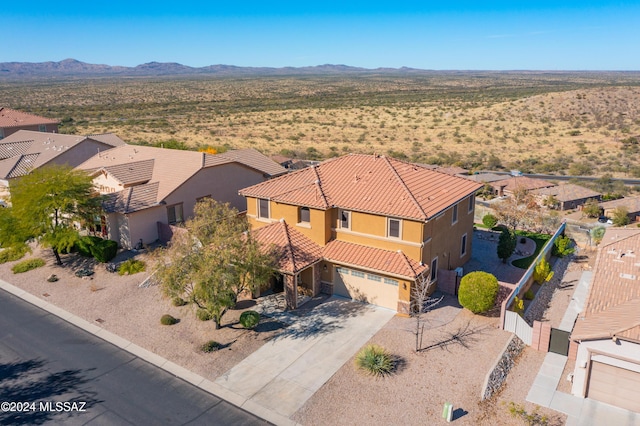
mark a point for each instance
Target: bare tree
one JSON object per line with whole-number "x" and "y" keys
{"x": 421, "y": 303}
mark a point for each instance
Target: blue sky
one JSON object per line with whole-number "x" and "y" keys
{"x": 460, "y": 35}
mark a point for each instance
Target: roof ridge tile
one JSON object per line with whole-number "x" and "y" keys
{"x": 406, "y": 188}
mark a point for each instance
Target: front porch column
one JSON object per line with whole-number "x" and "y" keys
{"x": 291, "y": 290}
{"x": 316, "y": 285}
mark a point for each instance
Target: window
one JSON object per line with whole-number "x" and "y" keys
{"x": 263, "y": 208}
{"x": 393, "y": 228}
{"x": 42, "y": 128}
{"x": 174, "y": 214}
{"x": 391, "y": 281}
{"x": 344, "y": 271}
{"x": 463, "y": 245}
{"x": 454, "y": 217}
{"x": 345, "y": 219}
{"x": 305, "y": 215}
{"x": 472, "y": 202}
{"x": 434, "y": 269}
{"x": 357, "y": 274}
{"x": 1, "y": 133}
{"x": 374, "y": 277}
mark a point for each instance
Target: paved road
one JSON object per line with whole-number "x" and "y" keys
{"x": 45, "y": 359}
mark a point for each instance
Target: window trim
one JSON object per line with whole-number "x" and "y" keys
{"x": 268, "y": 216}
{"x": 348, "y": 213}
{"x": 389, "y": 219}
{"x": 434, "y": 270}
{"x": 454, "y": 214}
{"x": 472, "y": 203}
{"x": 463, "y": 247}
{"x": 175, "y": 215}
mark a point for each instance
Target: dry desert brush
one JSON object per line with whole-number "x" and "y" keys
{"x": 375, "y": 360}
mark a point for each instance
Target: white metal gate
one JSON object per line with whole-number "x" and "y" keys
{"x": 516, "y": 324}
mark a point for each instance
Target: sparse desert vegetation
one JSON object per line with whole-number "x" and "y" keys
{"x": 563, "y": 123}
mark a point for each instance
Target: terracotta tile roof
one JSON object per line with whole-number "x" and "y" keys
{"x": 132, "y": 199}
{"x": 613, "y": 305}
{"x": 13, "y": 118}
{"x": 522, "y": 182}
{"x": 375, "y": 259}
{"x": 631, "y": 203}
{"x": 567, "y": 192}
{"x": 368, "y": 183}
{"x": 38, "y": 149}
{"x": 168, "y": 168}
{"x": 295, "y": 251}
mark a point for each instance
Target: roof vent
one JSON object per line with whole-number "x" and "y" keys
{"x": 628, "y": 276}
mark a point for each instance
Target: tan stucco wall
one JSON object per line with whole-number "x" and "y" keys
{"x": 49, "y": 128}
{"x": 107, "y": 184}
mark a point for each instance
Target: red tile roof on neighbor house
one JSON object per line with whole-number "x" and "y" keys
{"x": 567, "y": 192}
{"x": 294, "y": 250}
{"x": 368, "y": 183}
{"x": 521, "y": 182}
{"x": 613, "y": 304}
{"x": 14, "y": 118}
{"x": 383, "y": 261}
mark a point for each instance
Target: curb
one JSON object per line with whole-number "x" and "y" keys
{"x": 152, "y": 358}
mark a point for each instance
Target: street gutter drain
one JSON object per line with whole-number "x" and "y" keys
{"x": 100, "y": 320}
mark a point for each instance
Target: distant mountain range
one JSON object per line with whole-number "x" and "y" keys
{"x": 75, "y": 68}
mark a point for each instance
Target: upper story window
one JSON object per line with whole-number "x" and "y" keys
{"x": 263, "y": 208}
{"x": 393, "y": 228}
{"x": 344, "y": 218}
{"x": 454, "y": 216}
{"x": 42, "y": 127}
{"x": 174, "y": 214}
{"x": 472, "y": 202}
{"x": 305, "y": 215}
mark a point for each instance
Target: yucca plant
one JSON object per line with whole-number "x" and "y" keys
{"x": 375, "y": 360}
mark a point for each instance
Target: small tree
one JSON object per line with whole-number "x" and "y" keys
{"x": 591, "y": 208}
{"x": 621, "y": 216}
{"x": 506, "y": 244}
{"x": 478, "y": 291}
{"x": 421, "y": 303}
{"x": 542, "y": 272}
{"x": 489, "y": 220}
{"x": 562, "y": 247}
{"x": 551, "y": 202}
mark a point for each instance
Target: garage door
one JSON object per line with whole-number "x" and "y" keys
{"x": 614, "y": 385}
{"x": 365, "y": 287}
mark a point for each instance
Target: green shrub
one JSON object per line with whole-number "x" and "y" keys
{"x": 374, "y": 360}
{"x": 203, "y": 315}
{"x": 131, "y": 266}
{"x": 14, "y": 253}
{"x": 84, "y": 244}
{"x": 489, "y": 221}
{"x": 249, "y": 319}
{"x": 27, "y": 265}
{"x": 478, "y": 291}
{"x": 168, "y": 320}
{"x": 542, "y": 273}
{"x": 562, "y": 247}
{"x": 528, "y": 295}
{"x": 178, "y": 301}
{"x": 105, "y": 250}
{"x": 210, "y": 346}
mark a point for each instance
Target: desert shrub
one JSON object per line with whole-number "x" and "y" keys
{"x": 591, "y": 208}
{"x": 249, "y": 319}
{"x": 562, "y": 247}
{"x": 178, "y": 301}
{"x": 84, "y": 244}
{"x": 518, "y": 305}
{"x": 621, "y": 216}
{"x": 203, "y": 315}
{"x": 104, "y": 250}
{"x": 597, "y": 233}
{"x": 131, "y": 266}
{"x": 542, "y": 272}
{"x": 210, "y": 346}
{"x": 168, "y": 320}
{"x": 27, "y": 265}
{"x": 489, "y": 220}
{"x": 374, "y": 360}
{"x": 528, "y": 295}
{"x": 478, "y": 291}
{"x": 14, "y": 253}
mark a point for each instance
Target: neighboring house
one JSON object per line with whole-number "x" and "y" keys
{"x": 567, "y": 195}
{"x": 363, "y": 226}
{"x": 12, "y": 120}
{"x": 149, "y": 188}
{"x": 518, "y": 183}
{"x": 607, "y": 332}
{"x": 486, "y": 177}
{"x": 26, "y": 150}
{"x": 632, "y": 204}
{"x": 291, "y": 163}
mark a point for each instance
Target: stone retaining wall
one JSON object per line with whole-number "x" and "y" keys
{"x": 498, "y": 374}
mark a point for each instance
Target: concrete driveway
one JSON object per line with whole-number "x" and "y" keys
{"x": 280, "y": 376}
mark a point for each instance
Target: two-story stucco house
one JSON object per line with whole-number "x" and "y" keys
{"x": 147, "y": 189}
{"x": 363, "y": 226}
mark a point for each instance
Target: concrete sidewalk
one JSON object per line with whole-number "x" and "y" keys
{"x": 285, "y": 372}
{"x": 579, "y": 411}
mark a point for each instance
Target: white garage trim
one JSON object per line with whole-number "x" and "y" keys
{"x": 366, "y": 287}
{"x": 614, "y": 385}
